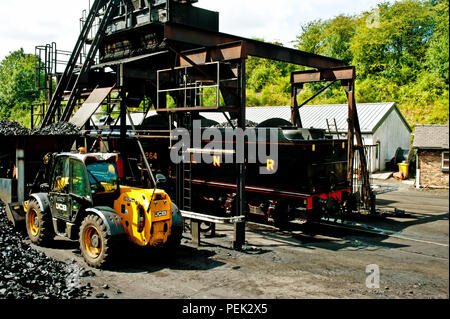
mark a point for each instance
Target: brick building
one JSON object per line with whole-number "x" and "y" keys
{"x": 432, "y": 145}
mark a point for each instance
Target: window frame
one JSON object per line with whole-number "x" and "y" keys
{"x": 445, "y": 168}
{"x": 66, "y": 171}
{"x": 87, "y": 183}
{"x": 90, "y": 183}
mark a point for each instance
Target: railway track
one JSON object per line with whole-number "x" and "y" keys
{"x": 369, "y": 229}
{"x": 326, "y": 226}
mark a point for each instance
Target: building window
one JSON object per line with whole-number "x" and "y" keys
{"x": 445, "y": 161}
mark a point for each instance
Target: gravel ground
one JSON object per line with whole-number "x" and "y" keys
{"x": 317, "y": 263}
{"x": 326, "y": 262}
{"x": 26, "y": 273}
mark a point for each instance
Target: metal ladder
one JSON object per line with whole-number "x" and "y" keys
{"x": 187, "y": 186}
{"x": 333, "y": 125}
{"x": 187, "y": 169}
{"x": 64, "y": 83}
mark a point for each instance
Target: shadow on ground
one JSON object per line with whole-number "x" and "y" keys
{"x": 136, "y": 259}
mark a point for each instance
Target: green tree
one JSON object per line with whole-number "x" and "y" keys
{"x": 395, "y": 46}
{"x": 437, "y": 54}
{"x": 311, "y": 37}
{"x": 268, "y": 82}
{"x": 338, "y": 34}
{"x": 400, "y": 51}
{"x": 17, "y": 91}
{"x": 330, "y": 38}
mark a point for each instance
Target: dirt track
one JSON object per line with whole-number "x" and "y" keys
{"x": 323, "y": 262}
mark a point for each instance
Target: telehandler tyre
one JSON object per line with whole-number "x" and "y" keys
{"x": 39, "y": 224}
{"x": 174, "y": 241}
{"x": 95, "y": 243}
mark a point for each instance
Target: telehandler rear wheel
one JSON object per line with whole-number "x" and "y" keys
{"x": 174, "y": 240}
{"x": 39, "y": 224}
{"x": 95, "y": 243}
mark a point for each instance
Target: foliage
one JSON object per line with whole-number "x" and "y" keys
{"x": 437, "y": 56}
{"x": 17, "y": 91}
{"x": 330, "y": 38}
{"x": 400, "y": 50}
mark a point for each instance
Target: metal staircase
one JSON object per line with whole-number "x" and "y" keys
{"x": 70, "y": 79}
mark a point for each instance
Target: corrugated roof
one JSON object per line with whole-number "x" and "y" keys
{"x": 370, "y": 115}
{"x": 431, "y": 136}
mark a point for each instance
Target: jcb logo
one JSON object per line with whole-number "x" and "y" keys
{"x": 161, "y": 213}
{"x": 61, "y": 207}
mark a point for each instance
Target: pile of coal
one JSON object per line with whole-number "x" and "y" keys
{"x": 248, "y": 123}
{"x": 26, "y": 273}
{"x": 9, "y": 128}
{"x": 58, "y": 128}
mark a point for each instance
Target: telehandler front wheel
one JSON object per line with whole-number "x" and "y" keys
{"x": 95, "y": 243}
{"x": 39, "y": 224}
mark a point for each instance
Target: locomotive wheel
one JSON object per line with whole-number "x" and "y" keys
{"x": 95, "y": 243}
{"x": 281, "y": 216}
{"x": 39, "y": 224}
{"x": 315, "y": 216}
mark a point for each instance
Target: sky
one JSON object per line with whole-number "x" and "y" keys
{"x": 27, "y": 23}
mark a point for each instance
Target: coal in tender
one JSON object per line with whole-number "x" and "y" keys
{"x": 248, "y": 123}
{"x": 26, "y": 273}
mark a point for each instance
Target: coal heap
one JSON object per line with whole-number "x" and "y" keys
{"x": 26, "y": 273}
{"x": 12, "y": 128}
{"x": 248, "y": 123}
{"x": 59, "y": 128}
{"x": 9, "y": 128}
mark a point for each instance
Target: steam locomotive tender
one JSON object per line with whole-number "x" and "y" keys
{"x": 307, "y": 180}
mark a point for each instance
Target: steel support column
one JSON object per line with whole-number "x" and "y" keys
{"x": 295, "y": 115}
{"x": 347, "y": 77}
{"x": 367, "y": 196}
{"x": 239, "y": 228}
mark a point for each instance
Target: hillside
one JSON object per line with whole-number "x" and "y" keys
{"x": 400, "y": 51}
